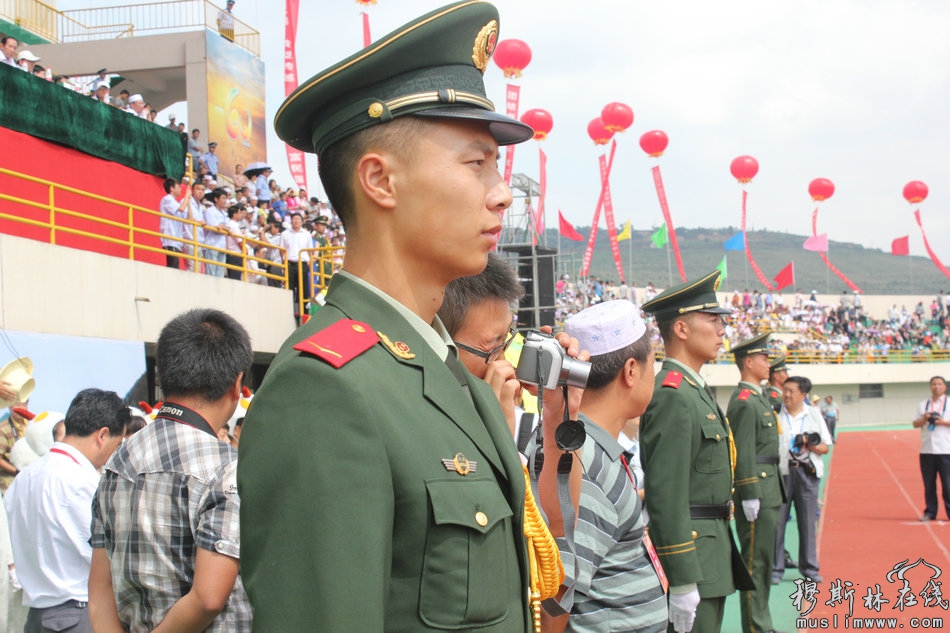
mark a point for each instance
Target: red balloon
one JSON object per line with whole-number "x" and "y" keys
{"x": 915, "y": 191}
{"x": 744, "y": 168}
{"x": 821, "y": 189}
{"x": 598, "y": 132}
{"x": 540, "y": 121}
{"x": 617, "y": 117}
{"x": 654, "y": 142}
{"x": 512, "y": 56}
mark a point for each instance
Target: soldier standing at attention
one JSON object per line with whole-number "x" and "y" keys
{"x": 760, "y": 489}
{"x": 778, "y": 372}
{"x": 686, "y": 448}
{"x": 380, "y": 486}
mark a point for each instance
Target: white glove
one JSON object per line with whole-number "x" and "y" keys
{"x": 683, "y": 609}
{"x": 751, "y": 509}
{"x": 14, "y": 581}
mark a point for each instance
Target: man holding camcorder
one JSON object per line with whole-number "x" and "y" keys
{"x": 933, "y": 420}
{"x": 804, "y": 439}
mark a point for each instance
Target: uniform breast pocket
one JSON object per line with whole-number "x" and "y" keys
{"x": 470, "y": 576}
{"x": 713, "y": 455}
{"x": 767, "y": 421}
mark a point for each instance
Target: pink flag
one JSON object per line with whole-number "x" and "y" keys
{"x": 295, "y": 158}
{"x": 817, "y": 243}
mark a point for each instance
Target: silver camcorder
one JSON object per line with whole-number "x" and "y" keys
{"x": 545, "y": 363}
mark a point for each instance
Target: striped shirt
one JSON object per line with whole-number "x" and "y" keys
{"x": 166, "y": 491}
{"x": 616, "y": 588}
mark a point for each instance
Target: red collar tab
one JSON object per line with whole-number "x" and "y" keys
{"x": 339, "y": 343}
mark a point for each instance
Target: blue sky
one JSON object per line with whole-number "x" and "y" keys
{"x": 850, "y": 90}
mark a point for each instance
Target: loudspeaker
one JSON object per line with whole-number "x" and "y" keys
{"x": 535, "y": 267}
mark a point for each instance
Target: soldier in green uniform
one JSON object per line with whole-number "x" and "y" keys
{"x": 380, "y": 486}
{"x": 686, "y": 448}
{"x": 760, "y": 489}
{"x": 778, "y": 372}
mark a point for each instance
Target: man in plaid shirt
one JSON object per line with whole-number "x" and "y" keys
{"x": 165, "y": 517}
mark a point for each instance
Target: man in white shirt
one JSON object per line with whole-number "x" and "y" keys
{"x": 8, "y": 45}
{"x": 49, "y": 506}
{"x": 170, "y": 229}
{"x": 294, "y": 240}
{"x": 196, "y": 214}
{"x": 235, "y": 241}
{"x": 933, "y": 420}
{"x": 215, "y": 233}
{"x": 137, "y": 106}
{"x": 803, "y": 440}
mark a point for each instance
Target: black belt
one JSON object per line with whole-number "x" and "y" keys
{"x": 766, "y": 459}
{"x": 795, "y": 463}
{"x": 711, "y": 510}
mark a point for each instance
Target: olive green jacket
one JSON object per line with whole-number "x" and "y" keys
{"x": 350, "y": 519}
{"x": 755, "y": 429}
{"x": 684, "y": 439}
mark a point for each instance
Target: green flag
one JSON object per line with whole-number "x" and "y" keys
{"x": 722, "y": 268}
{"x": 659, "y": 237}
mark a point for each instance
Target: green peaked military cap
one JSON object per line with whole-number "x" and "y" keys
{"x": 778, "y": 364}
{"x": 755, "y": 345}
{"x": 432, "y": 66}
{"x": 698, "y": 295}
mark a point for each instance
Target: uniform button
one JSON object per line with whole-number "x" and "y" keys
{"x": 481, "y": 518}
{"x": 764, "y": 475}
{"x": 717, "y": 437}
{"x": 770, "y": 424}
{"x": 695, "y": 534}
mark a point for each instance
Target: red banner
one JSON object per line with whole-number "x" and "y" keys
{"x": 512, "y": 97}
{"x": 543, "y": 181}
{"x": 592, "y": 238}
{"x": 609, "y": 216}
{"x": 933, "y": 256}
{"x": 295, "y": 157}
{"x": 748, "y": 253}
{"x": 831, "y": 267}
{"x": 665, "y": 207}
{"x": 367, "y": 40}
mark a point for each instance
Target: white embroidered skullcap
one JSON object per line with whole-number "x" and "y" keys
{"x": 606, "y": 327}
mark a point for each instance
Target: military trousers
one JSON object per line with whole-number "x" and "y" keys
{"x": 757, "y": 541}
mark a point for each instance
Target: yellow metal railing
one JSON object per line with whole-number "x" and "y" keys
{"x": 263, "y": 266}
{"x": 81, "y": 25}
{"x": 798, "y": 357}
{"x": 324, "y": 262}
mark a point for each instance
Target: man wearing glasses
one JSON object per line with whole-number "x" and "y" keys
{"x": 476, "y": 312}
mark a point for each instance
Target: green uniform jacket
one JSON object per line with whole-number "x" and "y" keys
{"x": 350, "y": 520}
{"x": 755, "y": 429}
{"x": 774, "y": 396}
{"x": 684, "y": 438}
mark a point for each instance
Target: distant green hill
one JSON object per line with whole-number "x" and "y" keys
{"x": 873, "y": 270}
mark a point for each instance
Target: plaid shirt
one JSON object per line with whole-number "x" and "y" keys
{"x": 166, "y": 491}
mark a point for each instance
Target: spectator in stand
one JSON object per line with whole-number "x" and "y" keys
{"x": 210, "y": 160}
{"x": 215, "y": 231}
{"x": 150, "y": 114}
{"x": 8, "y": 46}
{"x": 193, "y": 233}
{"x": 171, "y": 230}
{"x": 302, "y": 201}
{"x": 39, "y": 71}
{"x": 933, "y": 420}
{"x": 263, "y": 189}
{"x": 50, "y": 511}
{"x": 279, "y": 204}
{"x": 194, "y": 149}
{"x": 165, "y": 527}
{"x": 122, "y": 101}
{"x": 226, "y": 22}
{"x": 235, "y": 241}
{"x": 171, "y": 122}
{"x": 295, "y": 241}
{"x": 102, "y": 94}
{"x": 239, "y": 179}
{"x": 272, "y": 235}
{"x": 27, "y": 60}
{"x": 137, "y": 106}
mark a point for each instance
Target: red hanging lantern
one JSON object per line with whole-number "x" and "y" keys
{"x": 365, "y": 3}
{"x": 598, "y": 132}
{"x": 540, "y": 121}
{"x": 821, "y": 189}
{"x": 915, "y": 191}
{"x": 512, "y": 56}
{"x": 654, "y": 143}
{"x": 617, "y": 117}
{"x": 744, "y": 168}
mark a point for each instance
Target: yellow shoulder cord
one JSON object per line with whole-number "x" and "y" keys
{"x": 544, "y": 559}
{"x": 732, "y": 449}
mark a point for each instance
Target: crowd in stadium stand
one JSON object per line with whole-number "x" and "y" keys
{"x": 807, "y": 329}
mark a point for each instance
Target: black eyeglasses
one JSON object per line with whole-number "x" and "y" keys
{"x": 491, "y": 355}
